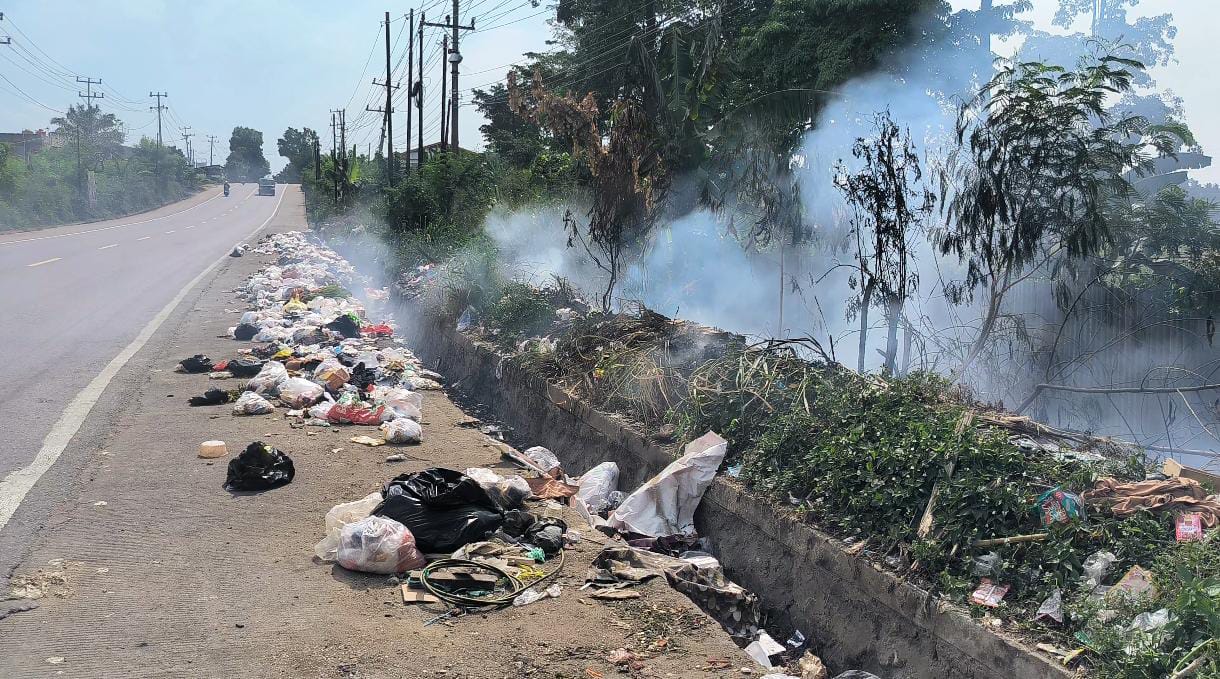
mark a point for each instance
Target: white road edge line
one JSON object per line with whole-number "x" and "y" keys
{"x": 17, "y": 484}
{"x": 45, "y": 261}
{"x": 107, "y": 247}
{"x": 143, "y": 238}
{"x": 108, "y": 228}
{"x": 170, "y": 231}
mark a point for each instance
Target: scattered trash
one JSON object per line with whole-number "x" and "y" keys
{"x": 244, "y": 367}
{"x": 1150, "y": 620}
{"x": 508, "y": 492}
{"x": 986, "y": 565}
{"x": 1135, "y": 583}
{"x": 376, "y": 544}
{"x": 549, "y": 488}
{"x": 402, "y": 430}
{"x": 196, "y": 364}
{"x": 596, "y": 485}
{"x": 1188, "y": 527}
{"x": 1064, "y": 656}
{"x": 812, "y": 667}
{"x": 542, "y": 458}
{"x": 251, "y": 403}
{"x": 1176, "y": 494}
{"x": 531, "y": 595}
{"x": 1059, "y": 506}
{"x": 1051, "y": 608}
{"x": 396, "y": 457}
{"x": 616, "y": 594}
{"x": 666, "y": 504}
{"x": 1096, "y": 567}
{"x": 367, "y": 440}
{"x": 268, "y": 379}
{"x": 259, "y": 467}
{"x": 212, "y": 449}
{"x": 298, "y": 392}
{"x": 988, "y": 594}
{"x": 762, "y": 649}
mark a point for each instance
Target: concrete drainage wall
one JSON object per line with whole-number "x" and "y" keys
{"x": 856, "y": 616}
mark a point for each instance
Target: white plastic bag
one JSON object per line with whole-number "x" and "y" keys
{"x": 666, "y": 504}
{"x": 251, "y": 403}
{"x": 378, "y": 545}
{"x": 321, "y": 410}
{"x": 339, "y": 516}
{"x": 402, "y": 430}
{"x": 269, "y": 378}
{"x": 298, "y": 392}
{"x": 405, "y": 403}
{"x": 596, "y": 486}
{"x": 545, "y": 459}
{"x": 531, "y": 595}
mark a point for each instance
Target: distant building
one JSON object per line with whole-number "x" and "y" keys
{"x": 29, "y": 141}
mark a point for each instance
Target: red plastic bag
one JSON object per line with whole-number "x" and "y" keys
{"x": 379, "y": 330}
{"x": 355, "y": 414}
{"x": 221, "y": 366}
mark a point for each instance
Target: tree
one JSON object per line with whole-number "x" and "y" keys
{"x": 99, "y": 132}
{"x": 298, "y": 147}
{"x": 1038, "y": 158}
{"x": 890, "y": 205}
{"x": 246, "y": 162}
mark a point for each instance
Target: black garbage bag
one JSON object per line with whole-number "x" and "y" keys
{"x": 196, "y": 364}
{"x": 259, "y": 467}
{"x": 516, "y": 522}
{"x": 211, "y": 397}
{"x": 245, "y": 367}
{"x": 547, "y": 533}
{"x": 345, "y": 325}
{"x": 444, "y": 509}
{"x": 306, "y": 336}
{"x": 362, "y": 377}
{"x": 245, "y": 331}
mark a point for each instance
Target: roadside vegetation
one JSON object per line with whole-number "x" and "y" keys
{"x": 706, "y": 108}
{"x": 102, "y": 178}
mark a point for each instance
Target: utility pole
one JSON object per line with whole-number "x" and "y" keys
{"x": 88, "y": 94}
{"x": 410, "y": 80}
{"x": 454, "y": 57}
{"x": 211, "y": 143}
{"x": 419, "y": 94}
{"x": 317, "y": 160}
{"x": 186, "y": 141}
{"x": 158, "y": 108}
{"x": 389, "y": 109}
{"x": 334, "y": 158}
{"x": 444, "y": 103}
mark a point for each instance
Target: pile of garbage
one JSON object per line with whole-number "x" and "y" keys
{"x": 315, "y": 352}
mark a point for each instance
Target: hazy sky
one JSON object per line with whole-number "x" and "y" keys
{"x": 271, "y": 65}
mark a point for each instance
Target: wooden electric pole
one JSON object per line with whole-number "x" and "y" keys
{"x": 444, "y": 102}
{"x": 410, "y": 80}
{"x": 419, "y": 95}
{"x": 211, "y": 143}
{"x": 389, "y": 106}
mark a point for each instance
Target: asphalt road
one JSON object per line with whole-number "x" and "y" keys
{"x": 75, "y": 296}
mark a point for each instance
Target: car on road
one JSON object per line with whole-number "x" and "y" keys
{"x": 266, "y": 187}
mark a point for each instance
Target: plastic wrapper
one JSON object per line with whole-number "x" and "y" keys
{"x": 444, "y": 509}
{"x": 298, "y": 392}
{"x": 596, "y": 486}
{"x": 666, "y": 504}
{"x": 251, "y": 403}
{"x": 376, "y": 544}
{"x": 1096, "y": 567}
{"x": 543, "y": 458}
{"x": 534, "y": 594}
{"x": 321, "y": 410}
{"x": 259, "y": 467}
{"x": 508, "y": 492}
{"x": 402, "y": 430}
{"x": 269, "y": 378}
{"x": 339, "y": 516}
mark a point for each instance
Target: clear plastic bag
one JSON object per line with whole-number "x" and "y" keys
{"x": 405, "y": 403}
{"x": 321, "y": 410}
{"x": 339, "y": 516}
{"x": 545, "y": 459}
{"x": 596, "y": 486}
{"x": 251, "y": 403}
{"x": 376, "y": 544}
{"x": 509, "y": 492}
{"x": 269, "y": 378}
{"x": 402, "y": 430}
{"x": 298, "y": 392}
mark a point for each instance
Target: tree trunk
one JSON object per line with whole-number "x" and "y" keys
{"x": 865, "y": 301}
{"x": 893, "y": 310}
{"x": 980, "y": 342}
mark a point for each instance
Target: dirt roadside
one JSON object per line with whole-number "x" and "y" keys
{"x": 150, "y": 569}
